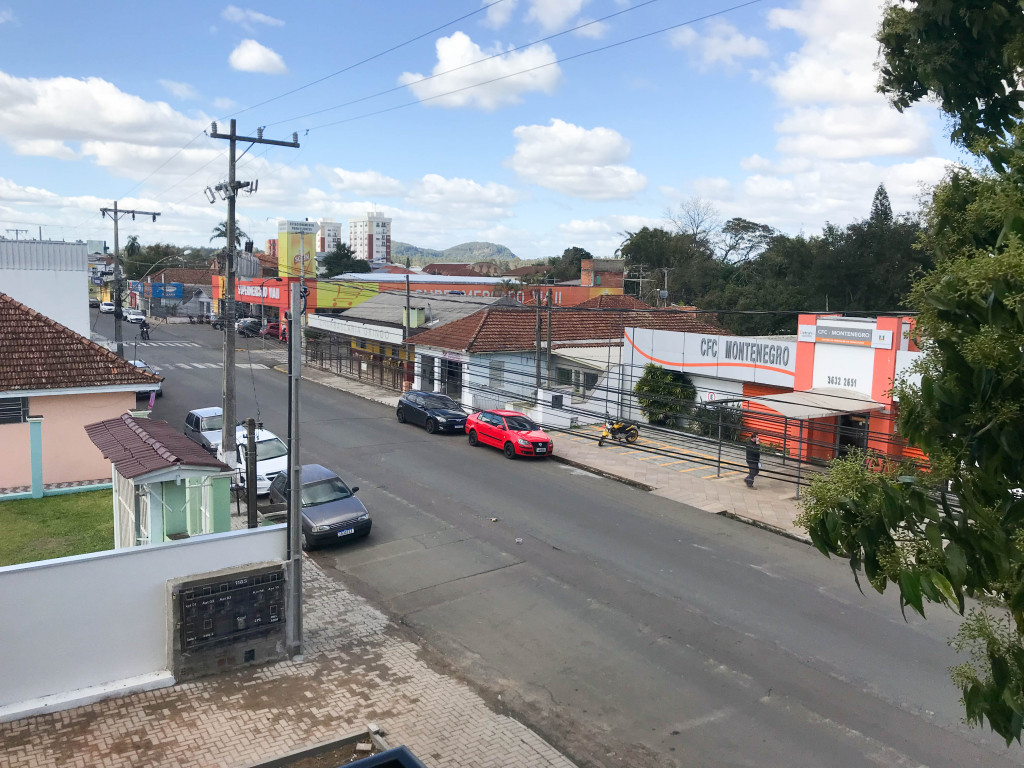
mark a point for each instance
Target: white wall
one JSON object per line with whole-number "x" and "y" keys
{"x": 61, "y": 295}
{"x": 86, "y": 621}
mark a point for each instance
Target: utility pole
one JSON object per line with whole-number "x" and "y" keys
{"x": 294, "y": 601}
{"x": 115, "y": 214}
{"x": 16, "y": 231}
{"x": 229, "y": 191}
{"x": 408, "y": 327}
{"x": 250, "y": 473}
{"x": 665, "y": 271}
{"x": 642, "y": 279}
{"x": 547, "y": 355}
{"x": 536, "y": 355}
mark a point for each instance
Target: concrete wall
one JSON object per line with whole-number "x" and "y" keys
{"x": 62, "y": 295}
{"x": 78, "y": 623}
{"x": 68, "y": 454}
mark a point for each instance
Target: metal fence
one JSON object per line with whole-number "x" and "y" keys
{"x": 335, "y": 354}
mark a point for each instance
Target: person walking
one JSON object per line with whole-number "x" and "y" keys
{"x": 753, "y": 459}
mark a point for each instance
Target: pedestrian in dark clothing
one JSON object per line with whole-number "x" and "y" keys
{"x": 753, "y": 459}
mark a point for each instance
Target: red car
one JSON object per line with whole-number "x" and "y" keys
{"x": 511, "y": 431}
{"x": 275, "y": 331}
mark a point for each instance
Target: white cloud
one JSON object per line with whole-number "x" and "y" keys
{"x": 250, "y": 56}
{"x": 368, "y": 183}
{"x": 498, "y": 15}
{"x": 721, "y": 44}
{"x": 504, "y": 86}
{"x": 594, "y": 30}
{"x": 6, "y": 15}
{"x": 223, "y": 103}
{"x": 576, "y": 161}
{"x": 37, "y": 110}
{"x": 43, "y": 148}
{"x": 602, "y": 236}
{"x": 553, "y": 15}
{"x": 463, "y": 200}
{"x": 247, "y": 17}
{"x": 180, "y": 90}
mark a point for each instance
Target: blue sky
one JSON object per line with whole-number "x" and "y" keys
{"x": 766, "y": 111}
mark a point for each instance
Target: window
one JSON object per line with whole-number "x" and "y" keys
{"x": 13, "y": 410}
{"x": 496, "y": 369}
{"x": 563, "y": 377}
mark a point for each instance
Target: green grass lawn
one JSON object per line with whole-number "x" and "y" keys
{"x": 56, "y": 526}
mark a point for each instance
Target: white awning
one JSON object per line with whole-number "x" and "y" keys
{"x": 601, "y": 358}
{"x": 818, "y": 403}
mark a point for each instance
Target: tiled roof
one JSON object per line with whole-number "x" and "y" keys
{"x": 40, "y": 353}
{"x": 451, "y": 270}
{"x": 139, "y": 446}
{"x": 507, "y": 329}
{"x": 613, "y": 301}
{"x": 194, "y": 276}
{"x": 529, "y": 269}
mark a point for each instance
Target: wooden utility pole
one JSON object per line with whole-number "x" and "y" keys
{"x": 115, "y": 213}
{"x": 536, "y": 354}
{"x": 229, "y": 191}
{"x": 547, "y": 354}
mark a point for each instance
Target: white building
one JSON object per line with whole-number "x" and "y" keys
{"x": 328, "y": 236}
{"x": 370, "y": 238}
{"x": 50, "y": 277}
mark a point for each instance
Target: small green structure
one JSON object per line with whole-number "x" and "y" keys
{"x": 166, "y": 487}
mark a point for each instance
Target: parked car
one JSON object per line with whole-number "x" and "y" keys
{"x": 330, "y": 509}
{"x": 436, "y": 412}
{"x": 248, "y": 326}
{"x": 107, "y": 307}
{"x": 134, "y": 315}
{"x": 511, "y": 431}
{"x": 158, "y": 388}
{"x": 277, "y": 331}
{"x": 94, "y": 303}
{"x": 271, "y": 458}
{"x": 204, "y": 425}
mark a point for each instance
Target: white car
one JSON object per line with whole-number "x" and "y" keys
{"x": 107, "y": 307}
{"x": 134, "y": 316}
{"x": 159, "y": 388}
{"x": 271, "y": 458}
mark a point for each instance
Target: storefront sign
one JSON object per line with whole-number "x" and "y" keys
{"x": 259, "y": 291}
{"x": 805, "y": 333}
{"x": 881, "y": 339}
{"x": 844, "y": 334}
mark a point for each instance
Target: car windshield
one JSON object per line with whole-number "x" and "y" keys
{"x": 268, "y": 449}
{"x": 211, "y": 423}
{"x": 324, "y": 491}
{"x": 441, "y": 401}
{"x": 520, "y": 424}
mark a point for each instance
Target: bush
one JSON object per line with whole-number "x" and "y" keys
{"x": 664, "y": 395}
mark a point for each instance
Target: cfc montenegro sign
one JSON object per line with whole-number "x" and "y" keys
{"x": 296, "y": 248}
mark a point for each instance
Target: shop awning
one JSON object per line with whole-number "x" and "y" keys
{"x": 817, "y": 403}
{"x": 600, "y": 357}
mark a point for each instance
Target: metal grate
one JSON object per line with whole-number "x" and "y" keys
{"x": 13, "y": 410}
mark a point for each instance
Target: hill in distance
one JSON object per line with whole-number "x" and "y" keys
{"x": 465, "y": 253}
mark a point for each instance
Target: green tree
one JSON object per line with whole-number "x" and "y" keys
{"x": 663, "y": 394}
{"x": 568, "y": 265}
{"x": 507, "y": 287}
{"x": 220, "y": 232}
{"x": 342, "y": 259}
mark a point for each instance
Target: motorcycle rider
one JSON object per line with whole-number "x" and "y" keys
{"x": 753, "y": 459}
{"x": 144, "y": 330}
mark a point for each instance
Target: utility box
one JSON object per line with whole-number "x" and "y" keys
{"x": 227, "y": 619}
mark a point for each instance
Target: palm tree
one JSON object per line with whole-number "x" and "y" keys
{"x": 506, "y": 287}
{"x": 221, "y": 231}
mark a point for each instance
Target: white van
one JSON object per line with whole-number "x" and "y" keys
{"x": 271, "y": 458}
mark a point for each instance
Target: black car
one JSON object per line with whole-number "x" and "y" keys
{"x": 436, "y": 412}
{"x": 248, "y": 326}
{"x": 330, "y": 510}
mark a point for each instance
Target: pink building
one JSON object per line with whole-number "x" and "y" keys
{"x": 52, "y": 383}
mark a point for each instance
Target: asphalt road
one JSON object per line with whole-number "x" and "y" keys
{"x": 625, "y": 628}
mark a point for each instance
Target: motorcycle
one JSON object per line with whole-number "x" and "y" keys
{"x": 618, "y": 429}
{"x": 144, "y": 332}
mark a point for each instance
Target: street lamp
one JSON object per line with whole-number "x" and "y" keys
{"x": 263, "y": 319}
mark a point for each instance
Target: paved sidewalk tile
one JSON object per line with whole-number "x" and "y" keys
{"x": 356, "y": 672}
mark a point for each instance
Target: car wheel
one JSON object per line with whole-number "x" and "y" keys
{"x": 510, "y": 451}
{"x": 473, "y": 439}
{"x": 305, "y": 542}
{"x": 431, "y": 426}
{"x": 400, "y": 415}
{"x": 159, "y": 393}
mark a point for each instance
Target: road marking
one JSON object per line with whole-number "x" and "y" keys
{"x": 691, "y": 469}
{"x": 670, "y": 463}
{"x": 724, "y": 474}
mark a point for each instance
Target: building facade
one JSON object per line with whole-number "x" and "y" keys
{"x": 51, "y": 277}
{"x": 328, "y": 236}
{"x": 370, "y": 238}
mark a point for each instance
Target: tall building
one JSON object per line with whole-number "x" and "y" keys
{"x": 370, "y": 238}
{"x": 328, "y": 236}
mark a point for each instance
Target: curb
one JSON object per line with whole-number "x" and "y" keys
{"x": 765, "y": 527}
{"x": 602, "y": 473}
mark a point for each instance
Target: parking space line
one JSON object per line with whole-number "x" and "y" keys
{"x": 692, "y": 469}
{"x": 670, "y": 463}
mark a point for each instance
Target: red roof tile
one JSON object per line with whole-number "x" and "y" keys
{"x": 40, "y": 353}
{"x": 507, "y": 329}
{"x": 613, "y": 301}
{"x": 190, "y": 276}
{"x": 139, "y": 446}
